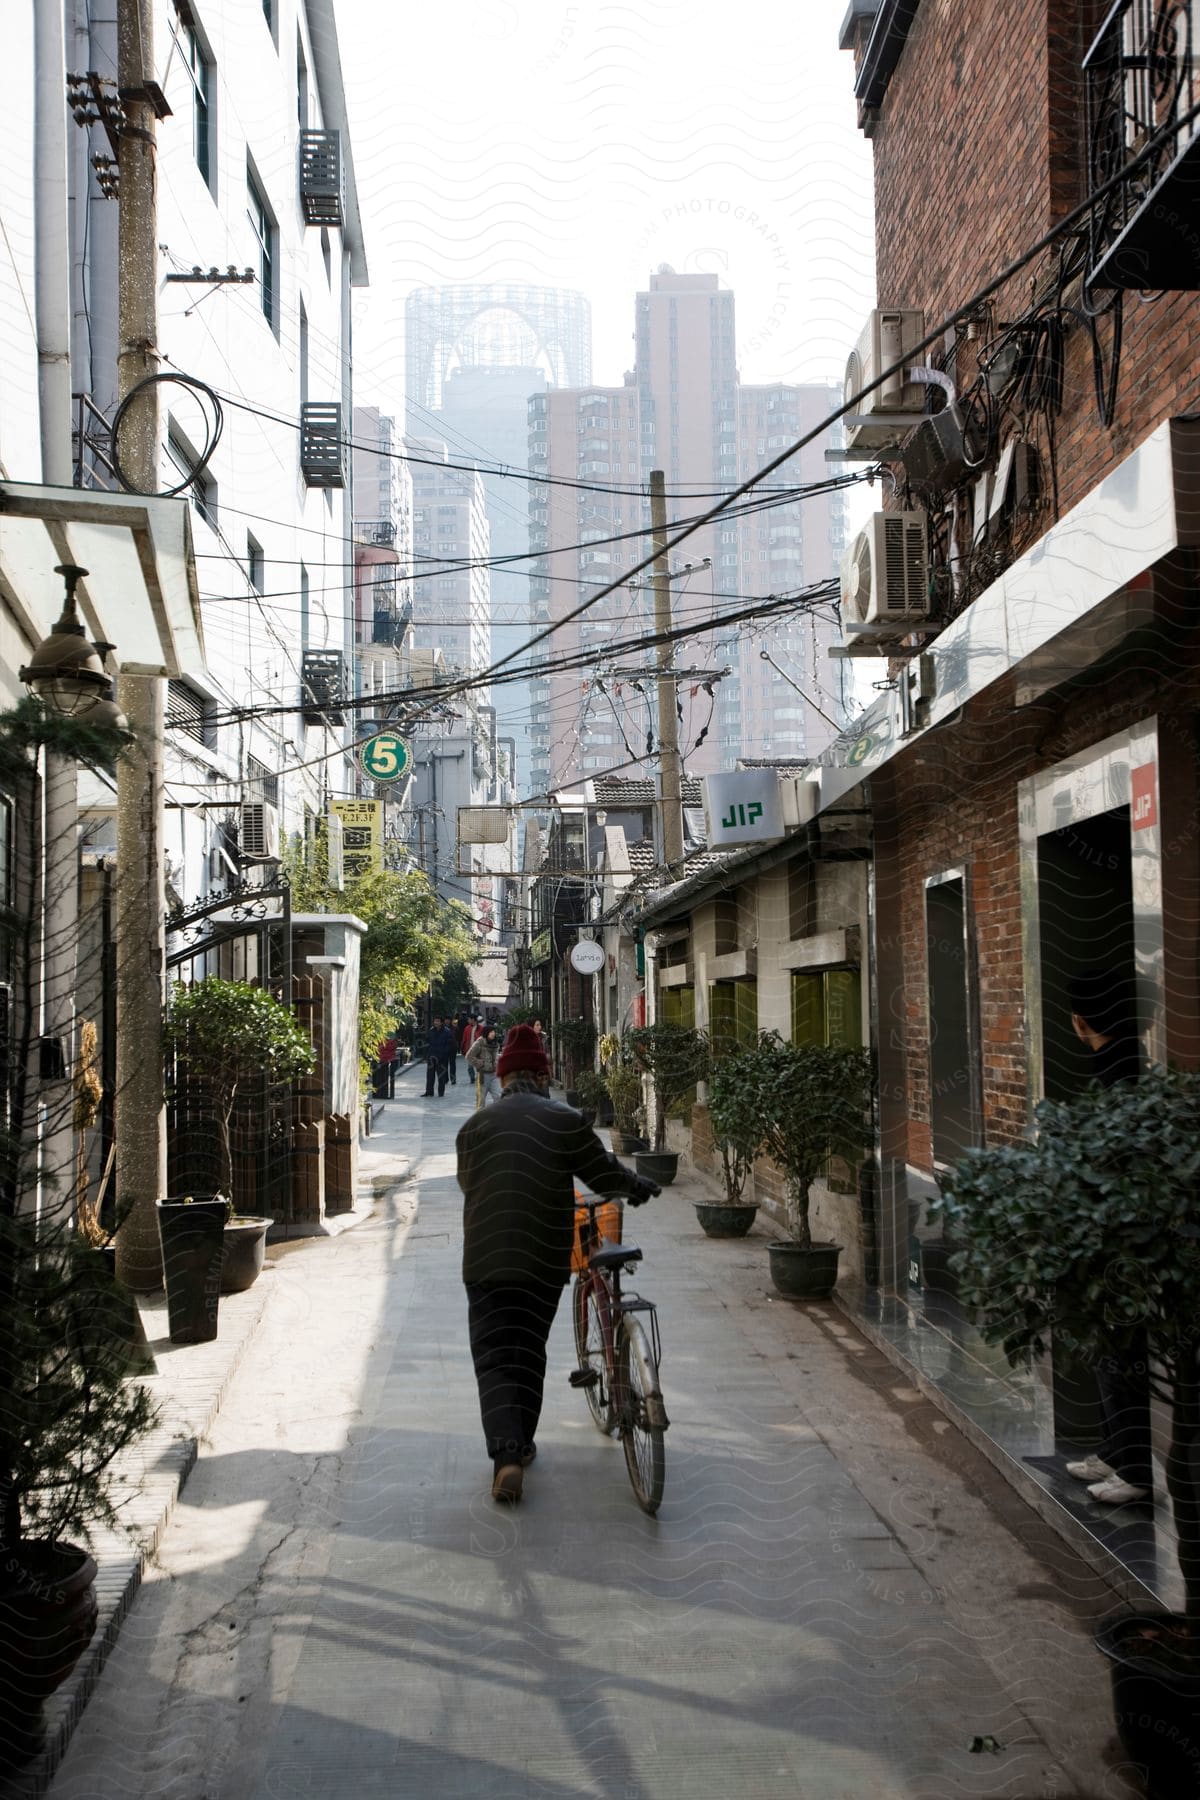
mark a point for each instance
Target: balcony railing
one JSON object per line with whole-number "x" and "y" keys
{"x": 379, "y": 532}
{"x": 322, "y": 444}
{"x": 324, "y": 687}
{"x": 321, "y": 181}
{"x": 1141, "y": 83}
{"x": 390, "y": 624}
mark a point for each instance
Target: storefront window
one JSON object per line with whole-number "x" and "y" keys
{"x": 827, "y": 1007}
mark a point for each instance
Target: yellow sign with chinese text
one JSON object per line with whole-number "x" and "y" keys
{"x": 362, "y": 836}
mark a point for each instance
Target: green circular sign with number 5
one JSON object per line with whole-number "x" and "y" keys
{"x": 385, "y": 757}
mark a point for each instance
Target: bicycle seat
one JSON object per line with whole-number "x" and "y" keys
{"x": 614, "y": 1256}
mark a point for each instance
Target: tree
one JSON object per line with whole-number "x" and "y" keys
{"x": 731, "y": 1090}
{"x": 226, "y": 1033}
{"x": 804, "y": 1103}
{"x": 675, "y": 1057}
{"x": 412, "y": 939}
{"x": 1090, "y": 1236}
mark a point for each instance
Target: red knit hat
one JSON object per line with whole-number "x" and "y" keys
{"x": 522, "y": 1050}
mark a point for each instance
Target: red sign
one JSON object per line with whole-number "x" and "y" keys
{"x": 1143, "y": 796}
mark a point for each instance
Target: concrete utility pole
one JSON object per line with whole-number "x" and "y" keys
{"x": 141, "y": 1138}
{"x": 670, "y": 779}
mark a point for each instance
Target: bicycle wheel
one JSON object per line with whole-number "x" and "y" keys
{"x": 593, "y": 1336}
{"x": 643, "y": 1416}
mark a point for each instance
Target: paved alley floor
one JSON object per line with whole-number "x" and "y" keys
{"x": 837, "y": 1597}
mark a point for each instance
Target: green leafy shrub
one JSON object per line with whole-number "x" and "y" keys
{"x": 802, "y": 1104}
{"x": 675, "y": 1057}
{"x": 1091, "y": 1235}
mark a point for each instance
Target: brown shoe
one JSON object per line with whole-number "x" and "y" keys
{"x": 528, "y": 1454}
{"x": 509, "y": 1480}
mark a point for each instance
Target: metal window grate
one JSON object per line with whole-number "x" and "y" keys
{"x": 321, "y": 184}
{"x": 322, "y": 445}
{"x": 324, "y": 687}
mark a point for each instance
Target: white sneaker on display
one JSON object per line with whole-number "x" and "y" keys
{"x": 1092, "y": 1468}
{"x": 1116, "y": 1492}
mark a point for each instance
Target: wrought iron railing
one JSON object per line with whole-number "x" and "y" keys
{"x": 1141, "y": 84}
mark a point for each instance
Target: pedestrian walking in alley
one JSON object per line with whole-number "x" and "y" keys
{"x": 468, "y": 1034}
{"x": 482, "y": 1059}
{"x": 1102, "y": 1015}
{"x": 438, "y": 1052}
{"x": 518, "y": 1162}
{"x": 385, "y": 1059}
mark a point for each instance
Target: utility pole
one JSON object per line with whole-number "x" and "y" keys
{"x": 141, "y": 1139}
{"x": 669, "y": 773}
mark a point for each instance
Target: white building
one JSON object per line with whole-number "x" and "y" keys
{"x": 255, "y": 181}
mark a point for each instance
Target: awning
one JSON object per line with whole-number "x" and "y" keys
{"x": 140, "y": 593}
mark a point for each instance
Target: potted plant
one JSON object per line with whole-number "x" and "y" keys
{"x": 1090, "y": 1237}
{"x": 223, "y": 1034}
{"x": 576, "y": 1043}
{"x": 735, "y": 1135}
{"x": 804, "y": 1103}
{"x": 675, "y": 1057}
{"x": 592, "y": 1093}
{"x": 67, "y": 1413}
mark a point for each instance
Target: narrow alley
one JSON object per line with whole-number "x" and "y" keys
{"x": 837, "y": 1598}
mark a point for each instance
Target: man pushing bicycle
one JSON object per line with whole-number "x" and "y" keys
{"x": 517, "y": 1166}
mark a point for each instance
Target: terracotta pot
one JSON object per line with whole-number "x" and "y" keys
{"x": 1156, "y": 1698}
{"x": 724, "y": 1218}
{"x": 804, "y": 1274}
{"x": 658, "y": 1165}
{"x": 245, "y": 1250}
{"x": 47, "y": 1617}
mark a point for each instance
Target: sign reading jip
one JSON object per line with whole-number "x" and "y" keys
{"x": 743, "y": 808}
{"x": 385, "y": 757}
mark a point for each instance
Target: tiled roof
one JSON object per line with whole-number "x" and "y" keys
{"x": 614, "y": 792}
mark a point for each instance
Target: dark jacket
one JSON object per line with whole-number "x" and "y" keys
{"x": 442, "y": 1045}
{"x": 517, "y": 1164}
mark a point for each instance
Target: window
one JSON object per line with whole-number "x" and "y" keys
{"x": 256, "y": 566}
{"x": 202, "y": 489}
{"x": 263, "y": 228}
{"x": 954, "y": 1053}
{"x": 827, "y": 1008}
{"x": 191, "y": 713}
{"x": 198, "y": 65}
{"x": 732, "y": 1014}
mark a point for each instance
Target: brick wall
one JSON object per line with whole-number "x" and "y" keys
{"x": 953, "y": 801}
{"x": 979, "y": 149}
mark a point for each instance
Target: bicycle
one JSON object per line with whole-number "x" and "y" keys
{"x": 618, "y": 1362}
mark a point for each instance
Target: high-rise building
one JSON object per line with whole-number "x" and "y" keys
{"x": 483, "y": 415}
{"x": 475, "y": 353}
{"x": 451, "y": 592}
{"x": 502, "y": 324}
{"x": 681, "y": 409}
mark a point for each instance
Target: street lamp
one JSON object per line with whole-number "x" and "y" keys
{"x": 67, "y": 673}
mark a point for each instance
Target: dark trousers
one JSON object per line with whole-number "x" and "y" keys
{"x": 1124, "y": 1386}
{"x": 509, "y": 1327}
{"x": 435, "y": 1071}
{"x": 453, "y": 1068}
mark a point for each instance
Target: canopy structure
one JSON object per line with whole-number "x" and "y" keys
{"x": 140, "y": 593}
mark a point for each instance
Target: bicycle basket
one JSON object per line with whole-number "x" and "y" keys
{"x": 608, "y": 1223}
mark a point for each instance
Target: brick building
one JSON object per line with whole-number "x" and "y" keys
{"x": 1031, "y": 775}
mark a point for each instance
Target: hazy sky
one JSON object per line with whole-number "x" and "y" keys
{"x": 582, "y": 146}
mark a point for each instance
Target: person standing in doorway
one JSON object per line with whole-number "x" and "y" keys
{"x": 1102, "y": 1015}
{"x": 482, "y": 1059}
{"x": 518, "y": 1162}
{"x": 438, "y": 1052}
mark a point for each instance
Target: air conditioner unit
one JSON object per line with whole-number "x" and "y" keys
{"x": 335, "y": 850}
{"x": 885, "y": 577}
{"x": 887, "y": 338}
{"x": 260, "y": 832}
